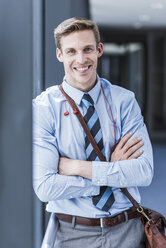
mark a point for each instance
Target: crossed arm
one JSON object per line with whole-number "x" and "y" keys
{"x": 124, "y": 150}
{"x": 57, "y": 178}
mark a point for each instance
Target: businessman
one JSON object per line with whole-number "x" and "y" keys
{"x": 83, "y": 191}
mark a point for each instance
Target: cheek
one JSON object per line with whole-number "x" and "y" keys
{"x": 68, "y": 66}
{"x": 67, "y": 63}
{"x": 94, "y": 59}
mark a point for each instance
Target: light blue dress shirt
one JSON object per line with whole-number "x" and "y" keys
{"x": 55, "y": 135}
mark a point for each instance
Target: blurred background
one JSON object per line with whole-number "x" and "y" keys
{"x": 134, "y": 37}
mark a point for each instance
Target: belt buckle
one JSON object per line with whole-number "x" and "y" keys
{"x": 101, "y": 222}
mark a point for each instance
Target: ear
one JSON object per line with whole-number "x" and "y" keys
{"x": 100, "y": 49}
{"x": 59, "y": 55}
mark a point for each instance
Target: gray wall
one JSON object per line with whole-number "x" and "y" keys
{"x": 16, "y": 213}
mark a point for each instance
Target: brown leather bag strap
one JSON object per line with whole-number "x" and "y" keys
{"x": 129, "y": 196}
{"x": 93, "y": 142}
{"x": 83, "y": 124}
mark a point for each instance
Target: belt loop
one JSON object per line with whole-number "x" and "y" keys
{"x": 101, "y": 222}
{"x": 73, "y": 221}
{"x": 126, "y": 216}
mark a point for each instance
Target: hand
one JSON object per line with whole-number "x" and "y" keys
{"x": 127, "y": 150}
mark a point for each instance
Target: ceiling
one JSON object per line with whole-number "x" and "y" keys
{"x": 135, "y": 14}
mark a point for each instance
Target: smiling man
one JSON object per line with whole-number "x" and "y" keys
{"x": 81, "y": 190}
{"x": 79, "y": 54}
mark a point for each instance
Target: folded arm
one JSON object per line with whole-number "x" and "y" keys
{"x": 125, "y": 150}
{"x": 126, "y": 173}
{"x": 47, "y": 183}
{"x": 128, "y": 166}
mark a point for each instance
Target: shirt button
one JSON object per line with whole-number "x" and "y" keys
{"x": 71, "y": 196}
{"x": 92, "y": 192}
{"x": 98, "y": 182}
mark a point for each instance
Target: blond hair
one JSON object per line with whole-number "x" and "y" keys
{"x": 72, "y": 25}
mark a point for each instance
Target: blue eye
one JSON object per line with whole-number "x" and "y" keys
{"x": 88, "y": 49}
{"x": 71, "y": 51}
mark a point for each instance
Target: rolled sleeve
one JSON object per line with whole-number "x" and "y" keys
{"x": 102, "y": 172}
{"x": 133, "y": 172}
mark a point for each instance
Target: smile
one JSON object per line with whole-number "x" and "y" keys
{"x": 82, "y": 69}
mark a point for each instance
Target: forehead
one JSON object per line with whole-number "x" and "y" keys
{"x": 78, "y": 39}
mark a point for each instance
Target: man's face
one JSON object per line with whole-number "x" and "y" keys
{"x": 79, "y": 55}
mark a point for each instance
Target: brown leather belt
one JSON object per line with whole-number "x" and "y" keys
{"x": 102, "y": 222}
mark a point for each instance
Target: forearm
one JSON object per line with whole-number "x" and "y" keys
{"x": 124, "y": 173}
{"x": 48, "y": 184}
{"x": 129, "y": 172}
{"x": 72, "y": 167}
{"x": 126, "y": 169}
{"x": 85, "y": 169}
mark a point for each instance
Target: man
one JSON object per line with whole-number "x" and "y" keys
{"x": 67, "y": 172}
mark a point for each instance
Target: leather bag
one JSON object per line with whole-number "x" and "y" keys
{"x": 155, "y": 236}
{"x": 154, "y": 222}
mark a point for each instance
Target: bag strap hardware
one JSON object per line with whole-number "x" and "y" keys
{"x": 141, "y": 211}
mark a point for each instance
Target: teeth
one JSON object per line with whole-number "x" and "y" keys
{"x": 82, "y": 69}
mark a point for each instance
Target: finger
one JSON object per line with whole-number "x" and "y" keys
{"x": 133, "y": 149}
{"x": 136, "y": 155}
{"x": 125, "y": 139}
{"x": 131, "y": 143}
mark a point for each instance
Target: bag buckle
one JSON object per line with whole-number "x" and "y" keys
{"x": 141, "y": 211}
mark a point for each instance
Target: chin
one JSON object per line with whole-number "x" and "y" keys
{"x": 84, "y": 82}
{"x": 86, "y": 78}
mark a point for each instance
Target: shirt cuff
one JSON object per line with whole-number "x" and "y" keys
{"x": 99, "y": 173}
{"x": 103, "y": 173}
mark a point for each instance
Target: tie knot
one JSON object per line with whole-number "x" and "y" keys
{"x": 87, "y": 100}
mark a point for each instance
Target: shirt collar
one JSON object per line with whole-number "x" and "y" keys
{"x": 77, "y": 95}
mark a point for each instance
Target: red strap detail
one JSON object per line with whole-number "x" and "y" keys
{"x": 66, "y": 113}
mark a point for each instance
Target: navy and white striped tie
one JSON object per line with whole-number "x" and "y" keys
{"x": 105, "y": 199}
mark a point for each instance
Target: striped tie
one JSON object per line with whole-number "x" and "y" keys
{"x": 105, "y": 199}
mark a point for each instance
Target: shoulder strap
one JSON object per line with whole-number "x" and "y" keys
{"x": 83, "y": 124}
{"x": 93, "y": 142}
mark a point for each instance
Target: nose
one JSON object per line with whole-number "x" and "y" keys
{"x": 81, "y": 58}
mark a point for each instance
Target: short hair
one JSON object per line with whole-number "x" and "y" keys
{"x": 72, "y": 25}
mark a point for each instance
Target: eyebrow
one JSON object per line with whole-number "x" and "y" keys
{"x": 90, "y": 45}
